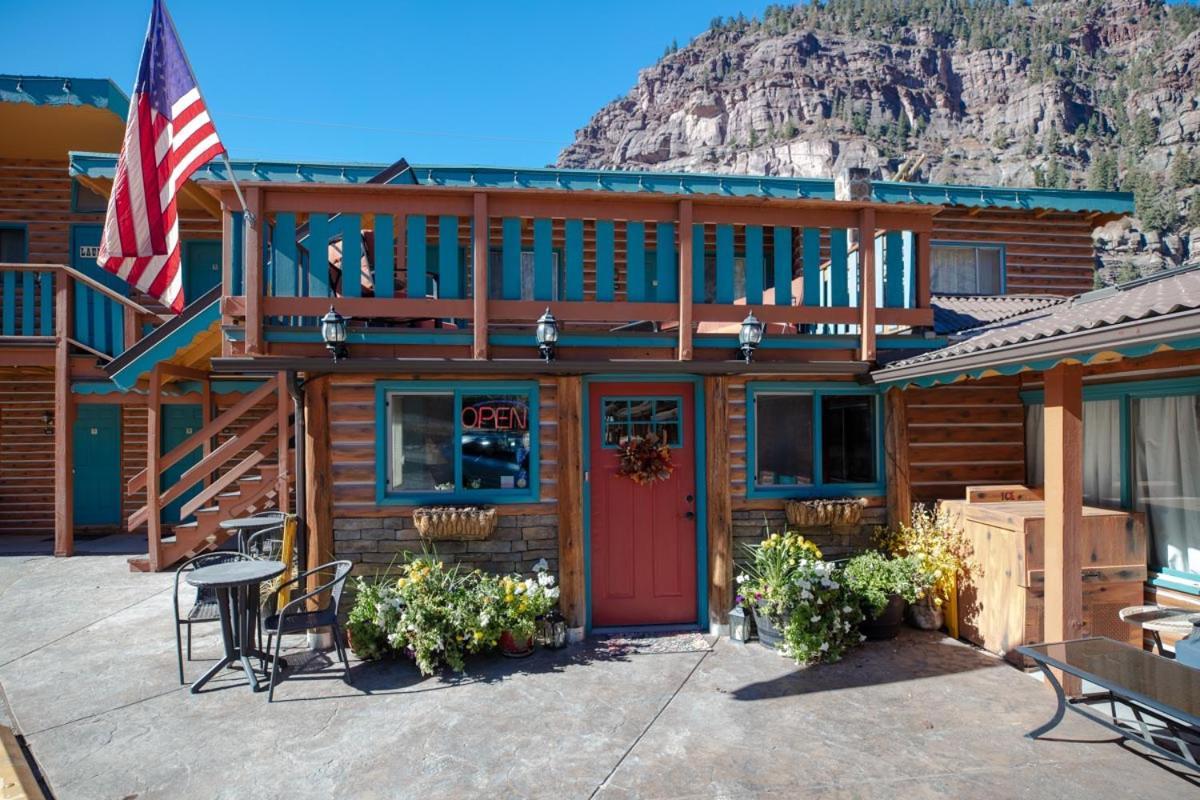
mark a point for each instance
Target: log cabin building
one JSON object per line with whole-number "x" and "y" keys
{"x": 442, "y": 397}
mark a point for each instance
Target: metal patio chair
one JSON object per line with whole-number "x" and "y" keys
{"x": 204, "y": 608}
{"x": 293, "y": 618}
{"x": 263, "y": 543}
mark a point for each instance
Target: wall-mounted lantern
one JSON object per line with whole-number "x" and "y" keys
{"x": 750, "y": 336}
{"x": 333, "y": 331}
{"x": 547, "y": 335}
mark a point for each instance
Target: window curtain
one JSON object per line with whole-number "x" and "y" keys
{"x": 1167, "y": 488}
{"x": 954, "y": 270}
{"x": 1101, "y": 450}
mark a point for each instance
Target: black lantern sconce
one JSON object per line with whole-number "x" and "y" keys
{"x": 750, "y": 336}
{"x": 547, "y": 335}
{"x": 333, "y": 331}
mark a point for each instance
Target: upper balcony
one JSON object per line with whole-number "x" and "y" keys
{"x": 463, "y": 269}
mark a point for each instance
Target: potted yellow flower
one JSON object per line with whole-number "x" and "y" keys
{"x": 942, "y": 551}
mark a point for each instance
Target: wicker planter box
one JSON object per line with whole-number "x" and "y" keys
{"x": 455, "y": 523}
{"x": 811, "y": 513}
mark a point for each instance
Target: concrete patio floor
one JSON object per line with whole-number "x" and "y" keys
{"x": 87, "y": 669}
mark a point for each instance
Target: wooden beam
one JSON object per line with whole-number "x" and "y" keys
{"x": 153, "y": 470}
{"x": 866, "y": 280}
{"x": 64, "y": 423}
{"x": 227, "y": 256}
{"x": 283, "y": 410}
{"x": 479, "y": 279}
{"x": 924, "y": 272}
{"x": 899, "y": 491}
{"x": 720, "y": 509}
{"x": 252, "y": 272}
{"x": 570, "y": 500}
{"x": 318, "y": 466}
{"x": 1064, "y": 508}
{"x": 202, "y": 198}
{"x": 684, "y": 352}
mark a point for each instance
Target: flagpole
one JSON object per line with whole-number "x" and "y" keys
{"x": 250, "y": 218}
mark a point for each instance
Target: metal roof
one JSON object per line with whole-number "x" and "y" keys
{"x": 1151, "y": 311}
{"x": 1076, "y": 200}
{"x": 104, "y": 165}
{"x": 47, "y": 90}
{"x": 956, "y": 313}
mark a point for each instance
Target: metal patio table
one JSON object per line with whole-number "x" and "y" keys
{"x": 236, "y": 585}
{"x": 1158, "y": 620}
{"x": 1165, "y": 691}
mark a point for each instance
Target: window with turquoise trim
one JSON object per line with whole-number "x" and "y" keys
{"x": 812, "y": 441}
{"x": 966, "y": 269}
{"x": 458, "y": 442}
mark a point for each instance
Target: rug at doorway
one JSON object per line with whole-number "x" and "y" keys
{"x": 637, "y": 643}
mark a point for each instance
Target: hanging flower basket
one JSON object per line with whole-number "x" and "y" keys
{"x": 445, "y": 522}
{"x": 644, "y": 459}
{"x": 811, "y": 513}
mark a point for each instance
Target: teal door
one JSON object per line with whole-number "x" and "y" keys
{"x": 201, "y": 268}
{"x": 178, "y": 423}
{"x": 97, "y": 465}
{"x": 99, "y": 321}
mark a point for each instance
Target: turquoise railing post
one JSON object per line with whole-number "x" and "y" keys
{"x": 283, "y": 255}
{"x": 893, "y": 270}
{"x": 510, "y": 258}
{"x": 783, "y": 266}
{"x": 573, "y": 236}
{"x": 811, "y": 267}
{"x": 385, "y": 261}
{"x": 318, "y": 255}
{"x": 238, "y": 251}
{"x": 28, "y": 300}
{"x": 351, "y": 225}
{"x": 8, "y": 314}
{"x": 699, "y": 289}
{"x": 543, "y": 260}
{"x": 47, "y": 305}
{"x": 839, "y": 269}
{"x": 415, "y": 262}
{"x": 666, "y": 269}
{"x": 754, "y": 264}
{"x": 635, "y": 262}
{"x": 605, "y": 272}
{"x": 724, "y": 264}
{"x": 449, "y": 279}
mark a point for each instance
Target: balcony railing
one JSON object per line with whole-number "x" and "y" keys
{"x": 458, "y": 260}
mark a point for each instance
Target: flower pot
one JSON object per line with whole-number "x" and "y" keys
{"x": 887, "y": 623}
{"x": 768, "y": 634}
{"x": 926, "y": 616}
{"x": 510, "y": 647}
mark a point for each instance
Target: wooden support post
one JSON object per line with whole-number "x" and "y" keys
{"x": 479, "y": 279}
{"x": 252, "y": 272}
{"x": 227, "y": 257}
{"x": 153, "y": 474}
{"x": 64, "y": 419}
{"x": 318, "y": 464}
{"x": 720, "y": 512}
{"x": 899, "y": 491}
{"x": 283, "y": 411}
{"x": 1064, "y": 507}
{"x": 570, "y": 500}
{"x": 685, "y": 280}
{"x": 924, "y": 269}
{"x": 866, "y": 279}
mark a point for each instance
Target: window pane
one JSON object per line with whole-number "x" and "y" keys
{"x": 989, "y": 270}
{"x": 88, "y": 201}
{"x": 495, "y": 441}
{"x": 783, "y": 442}
{"x": 12, "y": 245}
{"x": 1167, "y": 457}
{"x": 1102, "y": 453}
{"x": 422, "y": 442}
{"x": 848, "y": 439}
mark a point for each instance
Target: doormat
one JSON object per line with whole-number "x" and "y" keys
{"x": 638, "y": 643}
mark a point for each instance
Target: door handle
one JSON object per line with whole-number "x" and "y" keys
{"x": 689, "y": 498}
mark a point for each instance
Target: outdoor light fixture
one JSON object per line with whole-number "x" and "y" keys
{"x": 547, "y": 335}
{"x": 552, "y": 630}
{"x": 739, "y": 625}
{"x": 333, "y": 331}
{"x": 750, "y": 336}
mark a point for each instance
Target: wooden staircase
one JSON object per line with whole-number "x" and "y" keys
{"x": 242, "y": 471}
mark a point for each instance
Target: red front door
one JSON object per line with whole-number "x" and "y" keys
{"x": 643, "y": 537}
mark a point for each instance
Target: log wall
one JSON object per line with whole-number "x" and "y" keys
{"x": 26, "y": 452}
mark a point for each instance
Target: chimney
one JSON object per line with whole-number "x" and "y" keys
{"x": 852, "y": 184}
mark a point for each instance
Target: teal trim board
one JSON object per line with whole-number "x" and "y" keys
{"x": 819, "y": 488}
{"x": 45, "y": 90}
{"x": 701, "y": 455}
{"x": 385, "y": 496}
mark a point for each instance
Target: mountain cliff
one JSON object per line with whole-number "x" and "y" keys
{"x": 1057, "y": 93}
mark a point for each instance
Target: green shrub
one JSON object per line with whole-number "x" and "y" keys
{"x": 874, "y": 578}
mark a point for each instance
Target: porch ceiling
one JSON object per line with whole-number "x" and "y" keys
{"x": 43, "y": 118}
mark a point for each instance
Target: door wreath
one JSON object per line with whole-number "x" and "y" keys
{"x": 644, "y": 459}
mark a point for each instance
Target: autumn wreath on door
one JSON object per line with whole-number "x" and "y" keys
{"x": 644, "y": 459}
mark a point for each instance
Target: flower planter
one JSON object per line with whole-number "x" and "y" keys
{"x": 768, "y": 635}
{"x": 887, "y": 624}
{"x": 926, "y": 616}
{"x": 511, "y": 648}
{"x": 811, "y": 513}
{"x": 455, "y": 523}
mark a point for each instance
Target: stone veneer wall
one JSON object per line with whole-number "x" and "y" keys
{"x": 375, "y": 543}
{"x": 835, "y": 541}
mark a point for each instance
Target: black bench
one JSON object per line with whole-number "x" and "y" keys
{"x": 1149, "y": 685}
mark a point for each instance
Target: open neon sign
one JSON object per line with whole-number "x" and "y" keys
{"x": 499, "y": 416}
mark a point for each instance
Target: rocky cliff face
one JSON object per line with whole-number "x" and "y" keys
{"x": 1073, "y": 93}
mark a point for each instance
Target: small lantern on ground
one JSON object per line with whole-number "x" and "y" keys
{"x": 547, "y": 335}
{"x": 750, "y": 336}
{"x": 739, "y": 625}
{"x": 333, "y": 331}
{"x": 552, "y": 630}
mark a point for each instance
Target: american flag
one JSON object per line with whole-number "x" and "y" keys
{"x": 169, "y": 136}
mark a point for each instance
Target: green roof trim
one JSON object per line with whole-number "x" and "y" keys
{"x": 41, "y": 90}
{"x": 1074, "y": 200}
{"x": 104, "y": 165}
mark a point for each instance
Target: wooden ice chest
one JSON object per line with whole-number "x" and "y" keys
{"x": 1004, "y": 606}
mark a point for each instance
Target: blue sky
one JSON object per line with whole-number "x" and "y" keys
{"x": 370, "y": 80}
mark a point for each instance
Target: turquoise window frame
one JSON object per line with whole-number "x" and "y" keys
{"x": 975, "y": 246}
{"x": 385, "y": 496}
{"x": 1126, "y": 393}
{"x": 819, "y": 488}
{"x": 679, "y": 425}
